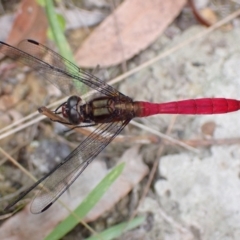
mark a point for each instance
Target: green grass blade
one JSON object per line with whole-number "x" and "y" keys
{"x": 118, "y": 230}
{"x": 87, "y": 204}
{"x": 57, "y": 31}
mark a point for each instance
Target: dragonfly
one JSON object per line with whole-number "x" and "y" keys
{"x": 110, "y": 113}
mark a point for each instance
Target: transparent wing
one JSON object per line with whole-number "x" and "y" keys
{"x": 56, "y": 182}
{"x": 56, "y": 69}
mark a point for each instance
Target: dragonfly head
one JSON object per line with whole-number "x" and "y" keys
{"x": 71, "y": 110}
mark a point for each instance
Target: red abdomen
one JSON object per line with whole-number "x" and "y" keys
{"x": 191, "y": 106}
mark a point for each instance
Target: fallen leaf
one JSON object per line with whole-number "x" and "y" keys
{"x": 128, "y": 30}
{"x": 30, "y": 22}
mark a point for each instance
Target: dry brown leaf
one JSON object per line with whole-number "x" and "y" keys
{"x": 42, "y": 224}
{"x": 131, "y": 28}
{"x": 30, "y": 22}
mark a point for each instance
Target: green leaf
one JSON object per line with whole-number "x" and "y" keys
{"x": 118, "y": 230}
{"x": 56, "y": 33}
{"x": 62, "y": 25}
{"x": 87, "y": 204}
{"x": 41, "y": 2}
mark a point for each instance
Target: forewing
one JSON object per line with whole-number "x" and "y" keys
{"x": 60, "y": 179}
{"x": 59, "y": 71}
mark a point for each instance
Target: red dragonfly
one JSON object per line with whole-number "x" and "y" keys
{"x": 110, "y": 113}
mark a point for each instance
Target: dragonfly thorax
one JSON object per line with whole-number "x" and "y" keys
{"x": 70, "y": 110}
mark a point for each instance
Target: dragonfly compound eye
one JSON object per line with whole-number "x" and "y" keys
{"x": 72, "y": 109}
{"x": 73, "y": 101}
{"x": 74, "y": 116}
